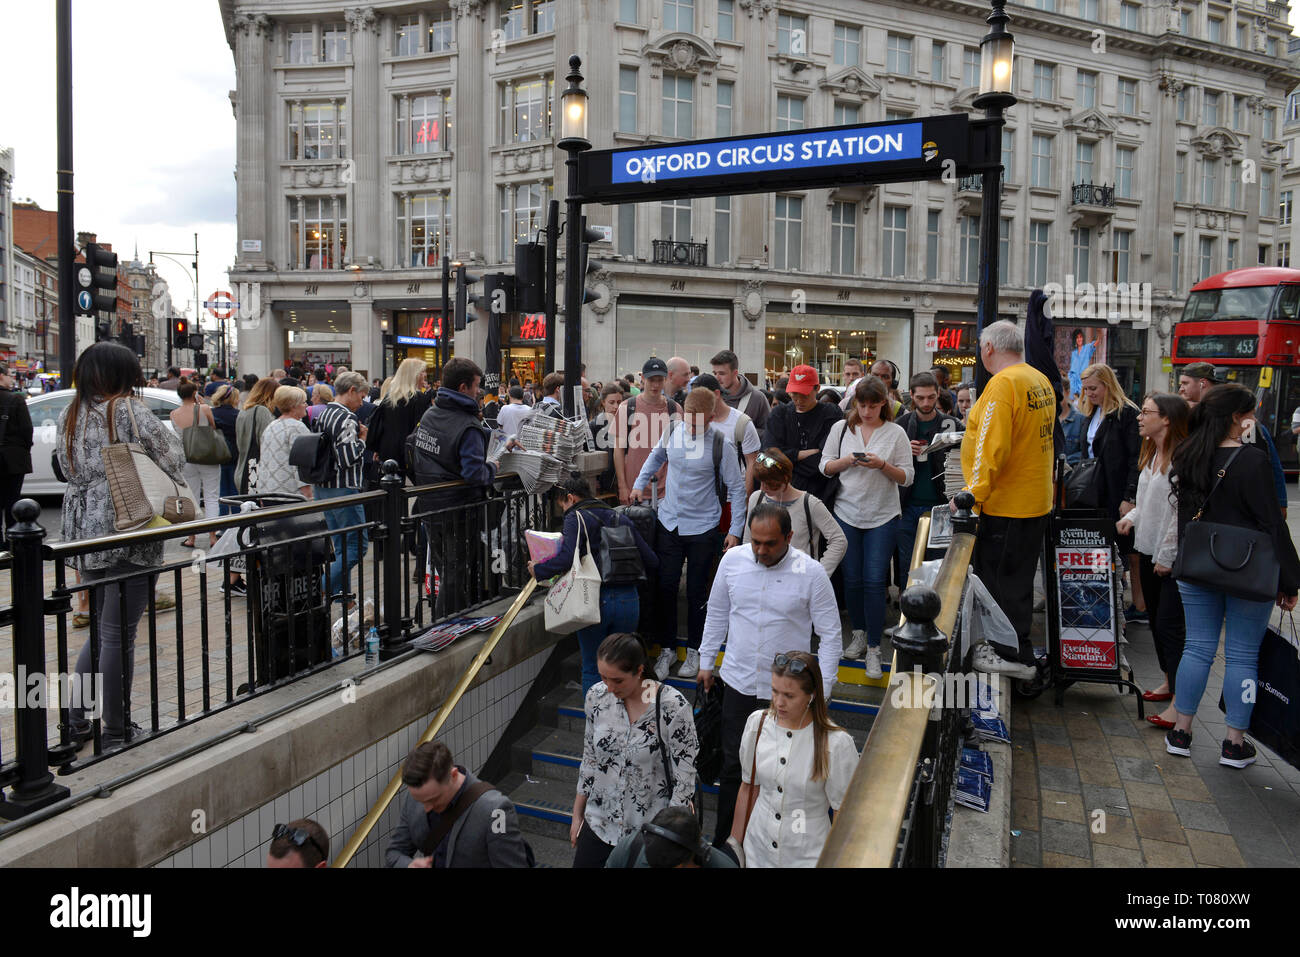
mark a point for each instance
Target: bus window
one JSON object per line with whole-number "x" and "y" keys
{"x": 1288, "y": 303}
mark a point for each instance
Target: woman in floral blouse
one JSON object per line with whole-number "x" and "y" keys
{"x": 626, "y": 756}
{"x": 106, "y": 375}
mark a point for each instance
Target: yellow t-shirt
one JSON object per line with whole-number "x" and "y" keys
{"x": 1006, "y": 456}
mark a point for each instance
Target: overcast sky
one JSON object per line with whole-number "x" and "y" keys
{"x": 153, "y": 132}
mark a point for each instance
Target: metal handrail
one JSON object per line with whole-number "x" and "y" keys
{"x": 867, "y": 825}
{"x": 372, "y": 818}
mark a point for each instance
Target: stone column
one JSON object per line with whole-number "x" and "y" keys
{"x": 252, "y": 33}
{"x": 752, "y": 213}
{"x": 365, "y": 214}
{"x": 262, "y": 338}
{"x": 472, "y": 137}
{"x": 1162, "y": 167}
{"x": 367, "y": 342}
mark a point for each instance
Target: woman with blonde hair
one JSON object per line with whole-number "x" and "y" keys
{"x": 403, "y": 401}
{"x": 795, "y": 766}
{"x": 252, "y": 421}
{"x": 1111, "y": 437}
{"x": 274, "y": 473}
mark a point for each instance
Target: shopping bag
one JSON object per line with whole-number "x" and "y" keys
{"x": 574, "y": 601}
{"x": 1275, "y": 719}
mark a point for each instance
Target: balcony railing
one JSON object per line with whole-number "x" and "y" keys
{"x": 1089, "y": 194}
{"x": 673, "y": 253}
{"x": 975, "y": 182}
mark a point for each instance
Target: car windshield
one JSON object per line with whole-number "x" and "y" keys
{"x": 1245, "y": 302}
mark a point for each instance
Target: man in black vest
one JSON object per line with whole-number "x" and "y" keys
{"x": 15, "y": 445}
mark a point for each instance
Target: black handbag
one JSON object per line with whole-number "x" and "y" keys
{"x": 619, "y": 561}
{"x": 1083, "y": 485}
{"x": 1237, "y": 561}
{"x": 314, "y": 457}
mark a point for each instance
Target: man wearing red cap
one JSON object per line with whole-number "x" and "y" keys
{"x": 799, "y": 429}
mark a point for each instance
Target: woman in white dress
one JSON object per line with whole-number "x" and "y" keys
{"x": 800, "y": 770}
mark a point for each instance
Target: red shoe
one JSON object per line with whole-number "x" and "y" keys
{"x": 1152, "y": 696}
{"x": 1159, "y": 722}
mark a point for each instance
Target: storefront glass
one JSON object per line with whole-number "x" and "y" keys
{"x": 696, "y": 333}
{"x": 826, "y": 342}
{"x": 422, "y": 331}
{"x": 524, "y": 355}
{"x": 954, "y": 337}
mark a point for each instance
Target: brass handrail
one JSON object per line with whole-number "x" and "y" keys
{"x": 867, "y": 825}
{"x": 372, "y": 818}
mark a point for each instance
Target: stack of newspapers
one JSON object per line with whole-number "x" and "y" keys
{"x": 560, "y": 438}
{"x": 537, "y": 471}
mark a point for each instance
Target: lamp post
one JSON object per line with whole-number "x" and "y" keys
{"x": 198, "y": 302}
{"x": 997, "y": 52}
{"x": 573, "y": 140}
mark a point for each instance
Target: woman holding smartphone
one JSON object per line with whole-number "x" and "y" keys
{"x": 872, "y": 457}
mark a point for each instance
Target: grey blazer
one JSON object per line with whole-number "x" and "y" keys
{"x": 472, "y": 841}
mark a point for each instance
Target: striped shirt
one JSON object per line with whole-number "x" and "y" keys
{"x": 342, "y": 426}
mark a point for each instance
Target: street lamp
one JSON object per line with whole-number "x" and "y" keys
{"x": 997, "y": 54}
{"x": 573, "y": 140}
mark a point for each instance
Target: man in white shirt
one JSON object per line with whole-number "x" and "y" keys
{"x": 512, "y": 414}
{"x": 765, "y": 600}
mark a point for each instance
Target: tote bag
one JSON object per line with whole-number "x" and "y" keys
{"x": 1275, "y": 719}
{"x": 141, "y": 492}
{"x": 204, "y": 445}
{"x": 574, "y": 601}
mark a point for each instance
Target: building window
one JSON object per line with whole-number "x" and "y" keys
{"x": 939, "y": 62}
{"x": 844, "y": 232}
{"x": 522, "y": 214}
{"x": 1128, "y": 97}
{"x": 1081, "y": 242}
{"x": 1175, "y": 281}
{"x": 1206, "y": 259}
{"x": 299, "y": 39}
{"x": 318, "y": 232}
{"x": 1125, "y": 160}
{"x": 726, "y": 95}
{"x": 512, "y": 19}
{"x": 722, "y": 229}
{"x": 679, "y": 105}
{"x": 1270, "y": 45}
{"x": 1048, "y": 5}
{"x": 675, "y": 220}
{"x": 787, "y": 246}
{"x": 526, "y": 110}
{"x": 1264, "y": 254}
{"x": 1215, "y": 29}
{"x": 970, "y": 67}
{"x": 791, "y": 34}
{"x": 893, "y": 248}
{"x": 1088, "y": 10}
{"x": 1210, "y": 182}
{"x": 1270, "y": 123}
{"x": 627, "y": 11}
{"x": 1086, "y": 90}
{"x": 442, "y": 31}
{"x": 1083, "y": 165}
{"x": 1008, "y": 153}
{"x": 1238, "y": 113}
{"x": 1185, "y": 22}
{"x": 679, "y": 15}
{"x": 726, "y": 19}
{"x": 894, "y": 116}
{"x": 1284, "y": 255}
{"x": 627, "y": 229}
{"x": 1040, "y": 172}
{"x": 1120, "y": 255}
{"x": 1233, "y": 245}
{"x": 789, "y": 112}
{"x": 1039, "y": 236}
{"x": 1210, "y": 114}
{"x": 423, "y": 123}
{"x": 406, "y": 37}
{"x": 1128, "y": 15}
{"x": 1266, "y": 207}
{"x": 932, "y": 220}
{"x": 848, "y": 45}
{"x": 1044, "y": 81}
{"x": 318, "y": 131}
{"x": 543, "y": 18}
{"x": 845, "y": 114}
{"x": 334, "y": 43}
{"x": 1004, "y": 250}
{"x": 898, "y": 57}
{"x": 1234, "y": 184}
{"x": 627, "y": 80}
{"x": 969, "y": 253}
{"x": 1183, "y": 99}
{"x": 424, "y": 228}
{"x": 1285, "y": 207}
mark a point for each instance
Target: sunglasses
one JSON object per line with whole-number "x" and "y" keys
{"x": 790, "y": 665}
{"x": 298, "y": 837}
{"x": 767, "y": 461}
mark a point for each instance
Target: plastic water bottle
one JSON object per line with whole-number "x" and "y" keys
{"x": 372, "y": 645}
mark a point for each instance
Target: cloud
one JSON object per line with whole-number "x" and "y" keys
{"x": 198, "y": 193}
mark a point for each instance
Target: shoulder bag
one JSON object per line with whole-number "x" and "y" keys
{"x": 573, "y": 602}
{"x": 204, "y": 445}
{"x": 141, "y": 492}
{"x": 1237, "y": 561}
{"x": 831, "y": 490}
{"x": 620, "y": 559}
{"x": 1083, "y": 485}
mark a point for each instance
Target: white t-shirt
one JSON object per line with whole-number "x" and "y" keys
{"x": 509, "y": 417}
{"x": 868, "y": 497}
{"x": 749, "y": 443}
{"x": 1295, "y": 419}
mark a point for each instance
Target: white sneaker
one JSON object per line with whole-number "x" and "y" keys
{"x": 667, "y": 658}
{"x": 985, "y": 659}
{"x": 857, "y": 645}
{"x": 691, "y": 666}
{"x": 873, "y": 663}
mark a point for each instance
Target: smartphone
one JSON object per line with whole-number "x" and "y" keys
{"x": 860, "y": 456}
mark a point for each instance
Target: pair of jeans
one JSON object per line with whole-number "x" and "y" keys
{"x": 1006, "y": 557}
{"x": 1207, "y": 612}
{"x": 1165, "y": 614}
{"x": 620, "y": 607}
{"x": 116, "y": 644}
{"x": 866, "y": 575}
{"x": 699, "y": 553}
{"x": 736, "y": 709}
{"x": 907, "y": 523}
{"x": 228, "y": 487}
{"x": 346, "y": 553}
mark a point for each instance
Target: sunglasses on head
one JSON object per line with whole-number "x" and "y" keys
{"x": 789, "y": 664}
{"x": 298, "y": 837}
{"x": 767, "y": 461}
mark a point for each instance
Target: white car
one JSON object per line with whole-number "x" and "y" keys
{"x": 45, "y": 411}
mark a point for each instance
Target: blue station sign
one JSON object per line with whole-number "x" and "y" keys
{"x": 892, "y": 151}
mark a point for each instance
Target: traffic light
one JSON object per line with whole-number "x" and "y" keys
{"x": 196, "y": 342}
{"x": 180, "y": 334}
{"x": 589, "y": 236}
{"x": 96, "y": 283}
{"x": 530, "y": 277}
{"x": 500, "y": 293}
{"x": 464, "y": 279}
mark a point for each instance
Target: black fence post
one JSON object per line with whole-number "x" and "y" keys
{"x": 964, "y": 520}
{"x": 393, "y": 631}
{"x": 917, "y": 642}
{"x": 35, "y": 788}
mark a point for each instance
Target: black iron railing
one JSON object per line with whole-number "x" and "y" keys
{"x": 1090, "y": 194}
{"x": 974, "y": 183}
{"x": 673, "y": 253}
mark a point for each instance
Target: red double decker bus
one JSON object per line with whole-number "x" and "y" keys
{"x": 1246, "y": 323}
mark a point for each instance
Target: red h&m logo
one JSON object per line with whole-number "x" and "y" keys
{"x": 428, "y": 132}
{"x": 950, "y": 338}
{"x": 431, "y": 328}
{"x": 533, "y": 326}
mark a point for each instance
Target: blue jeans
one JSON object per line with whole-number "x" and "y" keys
{"x": 620, "y": 607}
{"x": 346, "y": 554}
{"x": 228, "y": 487}
{"x": 907, "y": 523}
{"x": 866, "y": 575}
{"x": 1247, "y": 621}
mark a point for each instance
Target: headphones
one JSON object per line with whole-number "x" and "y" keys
{"x": 701, "y": 850}
{"x": 893, "y": 369}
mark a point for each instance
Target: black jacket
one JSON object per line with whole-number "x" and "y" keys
{"x": 390, "y": 425}
{"x": 910, "y": 424}
{"x": 15, "y": 434}
{"x": 1117, "y": 446}
{"x": 792, "y": 433}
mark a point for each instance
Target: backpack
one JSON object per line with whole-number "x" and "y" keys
{"x": 314, "y": 456}
{"x": 619, "y": 561}
{"x": 742, "y": 423}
